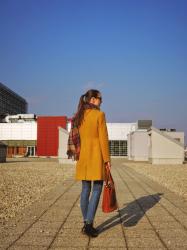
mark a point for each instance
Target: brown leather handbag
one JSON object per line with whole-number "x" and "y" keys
{"x": 109, "y": 203}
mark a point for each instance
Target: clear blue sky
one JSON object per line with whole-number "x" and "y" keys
{"x": 134, "y": 51}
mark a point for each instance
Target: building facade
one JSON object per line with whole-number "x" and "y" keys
{"x": 138, "y": 145}
{"x": 11, "y": 103}
{"x": 19, "y": 133}
{"x": 117, "y": 134}
{"x": 164, "y": 148}
{"x": 155, "y": 146}
{"x": 48, "y": 134}
{"x": 28, "y": 135}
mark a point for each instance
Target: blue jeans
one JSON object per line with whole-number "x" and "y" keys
{"x": 89, "y": 204}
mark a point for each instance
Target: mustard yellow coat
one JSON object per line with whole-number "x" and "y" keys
{"x": 94, "y": 146}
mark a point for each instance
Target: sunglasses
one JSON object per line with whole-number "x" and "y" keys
{"x": 100, "y": 98}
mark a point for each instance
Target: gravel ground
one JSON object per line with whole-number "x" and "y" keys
{"x": 173, "y": 177}
{"x": 23, "y": 181}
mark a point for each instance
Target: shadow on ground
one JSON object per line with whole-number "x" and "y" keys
{"x": 131, "y": 214}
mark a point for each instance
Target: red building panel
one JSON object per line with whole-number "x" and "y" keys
{"x": 47, "y": 134}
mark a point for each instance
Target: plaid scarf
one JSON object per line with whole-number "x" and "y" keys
{"x": 74, "y": 142}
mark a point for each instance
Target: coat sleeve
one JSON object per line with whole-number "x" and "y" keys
{"x": 103, "y": 137}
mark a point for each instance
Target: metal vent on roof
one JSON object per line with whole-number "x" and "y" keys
{"x": 168, "y": 129}
{"x": 144, "y": 124}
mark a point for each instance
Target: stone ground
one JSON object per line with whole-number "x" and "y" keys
{"x": 25, "y": 180}
{"x": 173, "y": 177}
{"x": 149, "y": 217}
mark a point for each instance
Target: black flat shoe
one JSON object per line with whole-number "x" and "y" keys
{"x": 90, "y": 230}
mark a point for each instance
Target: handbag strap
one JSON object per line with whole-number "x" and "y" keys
{"x": 109, "y": 179}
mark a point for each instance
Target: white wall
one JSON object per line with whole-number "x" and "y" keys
{"x": 116, "y": 131}
{"x": 119, "y": 131}
{"x": 138, "y": 146}
{"x": 18, "y": 131}
{"x": 141, "y": 146}
{"x": 175, "y": 135}
{"x": 165, "y": 150}
{"x": 129, "y": 147}
{"x": 62, "y": 147}
{"x": 63, "y": 141}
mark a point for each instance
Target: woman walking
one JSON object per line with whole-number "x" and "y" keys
{"x": 92, "y": 154}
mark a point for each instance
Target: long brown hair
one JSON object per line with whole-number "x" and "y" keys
{"x": 84, "y": 99}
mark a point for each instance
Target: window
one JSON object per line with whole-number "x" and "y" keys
{"x": 30, "y": 151}
{"x": 118, "y": 148}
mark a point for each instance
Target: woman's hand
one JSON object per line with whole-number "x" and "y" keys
{"x": 108, "y": 165}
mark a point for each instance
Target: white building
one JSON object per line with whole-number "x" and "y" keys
{"x": 19, "y": 133}
{"x": 138, "y": 145}
{"x": 140, "y": 142}
{"x": 62, "y": 146}
{"x": 117, "y": 133}
{"x": 155, "y": 146}
{"x": 166, "y": 148}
